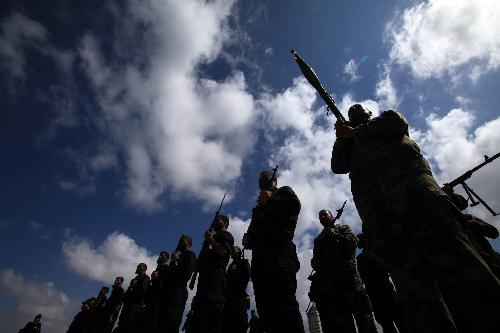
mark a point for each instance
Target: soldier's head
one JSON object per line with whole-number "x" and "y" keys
{"x": 104, "y": 291}
{"x": 38, "y": 317}
{"x": 221, "y": 223}
{"x": 236, "y": 252}
{"x": 326, "y": 217}
{"x": 184, "y": 243}
{"x": 141, "y": 268}
{"x": 89, "y": 303}
{"x": 267, "y": 180}
{"x": 163, "y": 258}
{"x": 358, "y": 115}
{"x": 118, "y": 282}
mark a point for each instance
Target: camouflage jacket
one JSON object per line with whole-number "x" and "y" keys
{"x": 378, "y": 151}
{"x": 333, "y": 254}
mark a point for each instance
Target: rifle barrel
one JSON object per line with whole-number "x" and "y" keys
{"x": 469, "y": 173}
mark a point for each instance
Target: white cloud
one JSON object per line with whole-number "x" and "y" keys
{"x": 386, "y": 92}
{"x": 453, "y": 145}
{"x": 118, "y": 255}
{"x": 269, "y": 51}
{"x": 18, "y": 32}
{"x": 31, "y": 298}
{"x": 179, "y": 133}
{"x": 351, "y": 70}
{"x": 456, "y": 37}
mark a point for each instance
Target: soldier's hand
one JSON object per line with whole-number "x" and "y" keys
{"x": 246, "y": 240}
{"x": 209, "y": 237}
{"x": 343, "y": 131}
{"x": 175, "y": 256}
{"x": 264, "y": 197}
{"x": 154, "y": 275}
{"x": 448, "y": 190}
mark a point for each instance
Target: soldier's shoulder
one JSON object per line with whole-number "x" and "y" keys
{"x": 285, "y": 189}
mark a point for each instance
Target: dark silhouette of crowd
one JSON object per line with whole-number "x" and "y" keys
{"x": 423, "y": 265}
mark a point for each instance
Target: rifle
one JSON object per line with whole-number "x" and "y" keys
{"x": 314, "y": 81}
{"x": 470, "y": 193}
{"x": 195, "y": 274}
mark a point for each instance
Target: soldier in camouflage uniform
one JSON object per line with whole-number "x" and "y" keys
{"x": 336, "y": 287}
{"x": 413, "y": 226}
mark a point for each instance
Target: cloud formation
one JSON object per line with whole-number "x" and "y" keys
{"x": 19, "y": 33}
{"x": 117, "y": 255}
{"x": 351, "y": 70}
{"x": 454, "y": 37}
{"x": 179, "y": 133}
{"x": 31, "y": 298}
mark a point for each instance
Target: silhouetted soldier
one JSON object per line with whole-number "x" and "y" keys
{"x": 375, "y": 275}
{"x": 413, "y": 227}
{"x": 34, "y": 326}
{"x": 81, "y": 320}
{"x": 96, "y": 313}
{"x": 174, "y": 292}
{"x": 149, "y": 317}
{"x": 133, "y": 301}
{"x": 211, "y": 290}
{"x": 112, "y": 307}
{"x": 236, "y": 306}
{"x": 336, "y": 286}
{"x": 274, "y": 256}
{"x": 254, "y": 323}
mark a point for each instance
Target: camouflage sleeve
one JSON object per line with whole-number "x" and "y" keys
{"x": 285, "y": 199}
{"x": 350, "y": 242}
{"x": 340, "y": 156}
{"x": 482, "y": 227}
{"x": 315, "y": 259}
{"x": 389, "y": 124}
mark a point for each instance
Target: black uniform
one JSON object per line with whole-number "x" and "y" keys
{"x": 149, "y": 316}
{"x": 112, "y": 309}
{"x": 275, "y": 263}
{"x": 174, "y": 293}
{"x": 80, "y": 321}
{"x": 211, "y": 290}
{"x": 236, "y": 305}
{"x": 133, "y": 303}
{"x": 386, "y": 307}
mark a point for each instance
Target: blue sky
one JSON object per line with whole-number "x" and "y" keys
{"x": 123, "y": 123}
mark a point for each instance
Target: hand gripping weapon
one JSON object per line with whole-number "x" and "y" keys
{"x": 310, "y": 277}
{"x": 314, "y": 81}
{"x": 195, "y": 274}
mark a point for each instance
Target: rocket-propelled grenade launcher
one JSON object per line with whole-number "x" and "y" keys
{"x": 470, "y": 193}
{"x": 314, "y": 81}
